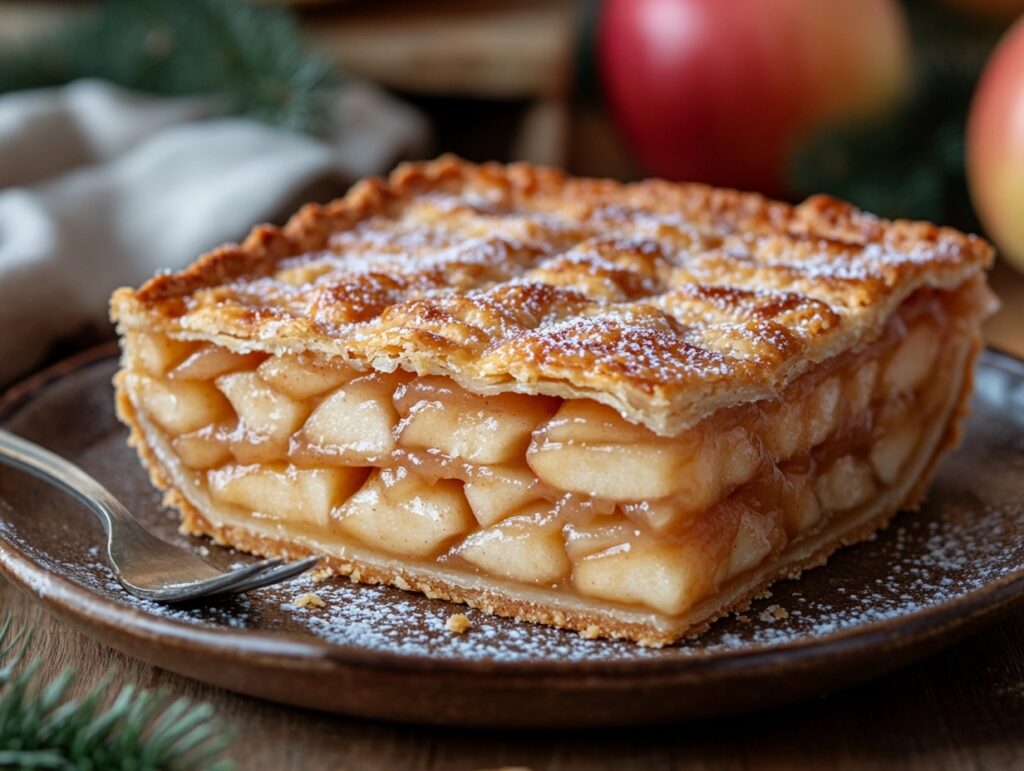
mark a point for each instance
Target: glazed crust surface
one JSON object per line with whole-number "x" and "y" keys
{"x": 667, "y": 302}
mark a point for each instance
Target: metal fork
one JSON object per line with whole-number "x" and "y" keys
{"x": 146, "y": 566}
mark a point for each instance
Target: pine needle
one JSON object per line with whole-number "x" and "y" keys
{"x": 43, "y": 727}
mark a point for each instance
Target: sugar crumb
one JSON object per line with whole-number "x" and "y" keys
{"x": 773, "y": 613}
{"x": 592, "y": 632}
{"x": 307, "y": 600}
{"x": 320, "y": 574}
{"x": 457, "y": 623}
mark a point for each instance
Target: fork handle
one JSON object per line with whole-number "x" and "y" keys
{"x": 146, "y": 565}
{"x": 50, "y": 467}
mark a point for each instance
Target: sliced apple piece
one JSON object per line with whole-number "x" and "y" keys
{"x": 398, "y": 512}
{"x": 180, "y": 407}
{"x": 494, "y": 492}
{"x": 668, "y": 578}
{"x": 800, "y": 508}
{"x": 201, "y": 450}
{"x": 583, "y": 420}
{"x": 913, "y": 359}
{"x": 262, "y": 410}
{"x": 753, "y": 543}
{"x": 300, "y": 378}
{"x": 725, "y": 462}
{"x": 614, "y": 471}
{"x": 438, "y": 415}
{"x": 584, "y": 539}
{"x": 739, "y": 458}
{"x": 249, "y": 448}
{"x": 890, "y": 454}
{"x": 573, "y": 507}
{"x": 285, "y": 492}
{"x": 860, "y": 387}
{"x": 663, "y": 516}
{"x": 356, "y": 422}
{"x": 246, "y": 447}
{"x": 786, "y": 431}
{"x": 155, "y": 353}
{"x": 588, "y": 448}
{"x": 211, "y": 361}
{"x": 526, "y": 547}
{"x": 823, "y": 410}
{"x": 847, "y": 483}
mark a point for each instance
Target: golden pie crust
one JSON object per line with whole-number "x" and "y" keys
{"x": 666, "y": 302}
{"x": 671, "y": 304}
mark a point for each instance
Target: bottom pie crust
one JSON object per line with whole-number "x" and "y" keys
{"x": 515, "y": 601}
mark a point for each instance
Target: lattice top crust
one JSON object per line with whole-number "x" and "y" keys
{"x": 665, "y": 301}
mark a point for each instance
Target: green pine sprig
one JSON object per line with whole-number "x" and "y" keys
{"x": 251, "y": 57}
{"x": 43, "y": 727}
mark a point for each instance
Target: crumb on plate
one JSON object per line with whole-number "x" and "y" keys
{"x": 309, "y": 599}
{"x": 774, "y": 613}
{"x": 457, "y": 623}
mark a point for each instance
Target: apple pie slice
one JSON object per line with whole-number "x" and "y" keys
{"x": 622, "y": 409}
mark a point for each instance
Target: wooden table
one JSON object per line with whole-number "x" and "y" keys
{"x": 962, "y": 709}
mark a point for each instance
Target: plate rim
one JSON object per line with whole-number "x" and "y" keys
{"x": 78, "y": 603}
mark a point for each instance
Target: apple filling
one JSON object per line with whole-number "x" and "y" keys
{"x": 535, "y": 493}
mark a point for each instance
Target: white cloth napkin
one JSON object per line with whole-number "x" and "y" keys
{"x": 101, "y": 187}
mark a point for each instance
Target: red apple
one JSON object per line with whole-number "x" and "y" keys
{"x": 995, "y": 146}
{"x": 721, "y": 91}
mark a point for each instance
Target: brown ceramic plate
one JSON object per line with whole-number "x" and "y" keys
{"x": 929, "y": 579}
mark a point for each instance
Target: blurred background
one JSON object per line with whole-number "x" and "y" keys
{"x": 908, "y": 108}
